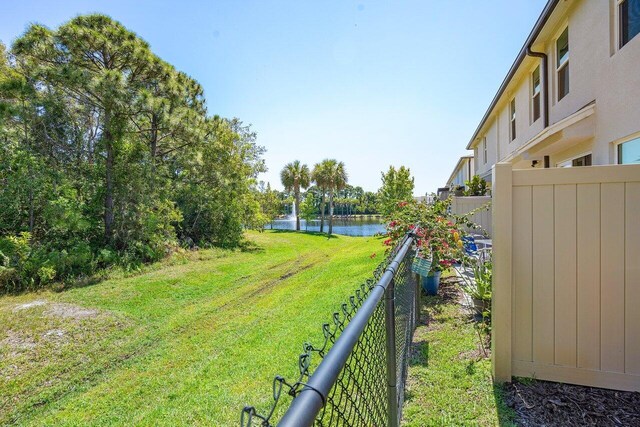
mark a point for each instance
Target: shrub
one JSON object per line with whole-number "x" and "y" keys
{"x": 476, "y": 186}
{"x": 439, "y": 233}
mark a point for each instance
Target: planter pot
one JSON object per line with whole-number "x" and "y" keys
{"x": 431, "y": 282}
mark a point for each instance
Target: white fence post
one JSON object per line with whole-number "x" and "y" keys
{"x": 502, "y": 217}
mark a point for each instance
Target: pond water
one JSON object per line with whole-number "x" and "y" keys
{"x": 346, "y": 227}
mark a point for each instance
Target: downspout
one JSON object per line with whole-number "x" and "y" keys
{"x": 546, "y": 13}
{"x": 545, "y": 83}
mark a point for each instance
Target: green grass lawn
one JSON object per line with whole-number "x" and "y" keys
{"x": 187, "y": 343}
{"x": 449, "y": 381}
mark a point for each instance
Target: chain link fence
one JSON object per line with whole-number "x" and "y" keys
{"x": 364, "y": 356}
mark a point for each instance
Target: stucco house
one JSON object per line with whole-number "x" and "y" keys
{"x": 462, "y": 172}
{"x": 572, "y": 96}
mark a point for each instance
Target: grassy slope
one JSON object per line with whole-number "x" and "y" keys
{"x": 449, "y": 381}
{"x": 184, "y": 344}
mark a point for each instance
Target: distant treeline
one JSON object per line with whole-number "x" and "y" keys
{"x": 348, "y": 201}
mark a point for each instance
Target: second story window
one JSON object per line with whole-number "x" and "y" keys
{"x": 629, "y": 152}
{"x": 535, "y": 94}
{"x": 484, "y": 150}
{"x": 512, "y": 119}
{"x": 629, "y": 11}
{"x": 562, "y": 63}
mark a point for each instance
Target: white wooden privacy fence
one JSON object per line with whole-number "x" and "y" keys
{"x": 566, "y": 300}
{"x": 466, "y": 204}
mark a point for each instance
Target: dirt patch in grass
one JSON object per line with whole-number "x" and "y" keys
{"x": 17, "y": 343}
{"x": 57, "y": 309}
{"x": 71, "y": 311}
{"x": 449, "y": 290}
{"x": 448, "y": 293}
{"x": 476, "y": 354}
{"x": 296, "y": 269}
{"x": 28, "y": 305}
{"x": 554, "y": 404}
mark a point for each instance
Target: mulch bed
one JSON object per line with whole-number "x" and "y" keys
{"x": 543, "y": 403}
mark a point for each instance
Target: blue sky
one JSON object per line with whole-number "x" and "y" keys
{"x": 372, "y": 84}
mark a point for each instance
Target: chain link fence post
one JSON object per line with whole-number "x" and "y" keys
{"x": 417, "y": 299}
{"x": 392, "y": 380}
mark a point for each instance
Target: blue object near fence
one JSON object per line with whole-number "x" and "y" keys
{"x": 431, "y": 282}
{"x": 470, "y": 246}
{"x": 421, "y": 266}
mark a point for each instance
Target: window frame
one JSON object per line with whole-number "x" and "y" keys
{"x": 571, "y": 159}
{"x": 621, "y": 42}
{"x": 561, "y": 67}
{"x": 619, "y": 143}
{"x": 533, "y": 94}
{"x": 512, "y": 120}
{"x": 484, "y": 150}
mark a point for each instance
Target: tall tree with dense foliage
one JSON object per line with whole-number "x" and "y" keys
{"x": 108, "y": 155}
{"x": 308, "y": 208}
{"x": 295, "y": 176}
{"x": 397, "y": 186}
{"x": 97, "y": 62}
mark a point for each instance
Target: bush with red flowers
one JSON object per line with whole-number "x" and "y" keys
{"x": 439, "y": 233}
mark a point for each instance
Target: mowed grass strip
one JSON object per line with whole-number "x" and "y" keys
{"x": 185, "y": 344}
{"x": 449, "y": 380}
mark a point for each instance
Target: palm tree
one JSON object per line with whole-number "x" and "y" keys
{"x": 336, "y": 176}
{"x": 319, "y": 176}
{"x": 295, "y": 176}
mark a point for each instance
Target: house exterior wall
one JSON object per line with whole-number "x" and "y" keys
{"x": 598, "y": 71}
{"x": 464, "y": 171}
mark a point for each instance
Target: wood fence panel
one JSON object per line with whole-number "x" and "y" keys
{"x": 565, "y": 275}
{"x": 462, "y": 205}
{"x": 543, "y": 275}
{"x": 632, "y": 278}
{"x": 612, "y": 277}
{"x": 522, "y": 274}
{"x": 588, "y": 275}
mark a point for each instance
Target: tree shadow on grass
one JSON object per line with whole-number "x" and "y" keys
{"x": 419, "y": 353}
{"x": 432, "y": 305}
{"x": 250, "y": 246}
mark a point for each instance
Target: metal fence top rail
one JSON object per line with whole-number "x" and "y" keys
{"x": 312, "y": 398}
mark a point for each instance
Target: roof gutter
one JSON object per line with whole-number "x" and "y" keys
{"x": 535, "y": 32}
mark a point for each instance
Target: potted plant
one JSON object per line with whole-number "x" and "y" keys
{"x": 480, "y": 291}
